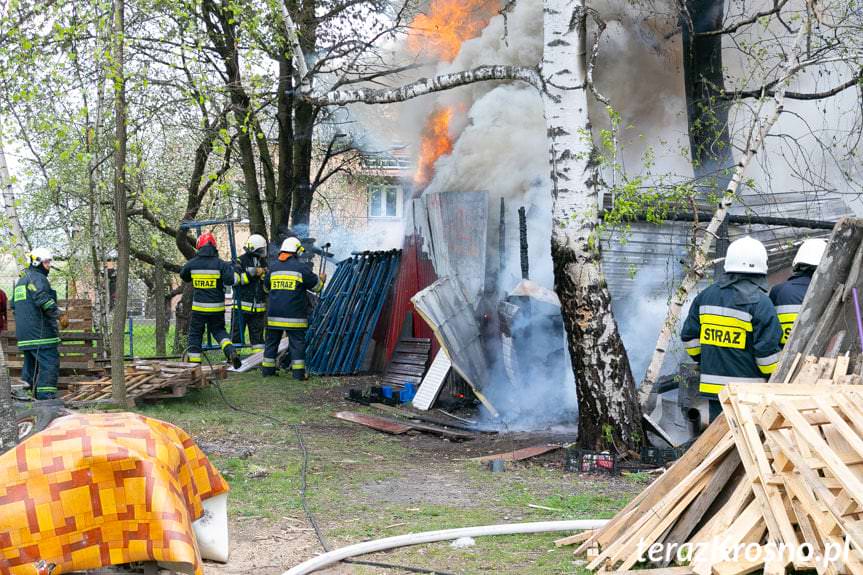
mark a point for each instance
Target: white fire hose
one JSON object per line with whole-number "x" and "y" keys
{"x": 367, "y": 547}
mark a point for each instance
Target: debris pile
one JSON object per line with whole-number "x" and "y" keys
{"x": 775, "y": 481}
{"x": 146, "y": 379}
{"x": 342, "y": 323}
{"x": 775, "y": 469}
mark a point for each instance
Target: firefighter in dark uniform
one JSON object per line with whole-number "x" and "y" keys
{"x": 209, "y": 275}
{"x": 37, "y": 325}
{"x": 788, "y": 296}
{"x": 287, "y": 282}
{"x": 250, "y": 295}
{"x": 732, "y": 329}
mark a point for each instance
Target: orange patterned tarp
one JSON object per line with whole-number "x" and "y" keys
{"x": 103, "y": 489}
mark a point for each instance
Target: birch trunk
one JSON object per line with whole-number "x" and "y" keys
{"x": 97, "y": 249}
{"x": 609, "y": 414}
{"x": 8, "y": 428}
{"x": 16, "y": 237}
{"x": 118, "y": 381}
{"x": 755, "y": 139}
{"x": 15, "y": 233}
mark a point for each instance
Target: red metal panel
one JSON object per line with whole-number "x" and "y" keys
{"x": 415, "y": 273}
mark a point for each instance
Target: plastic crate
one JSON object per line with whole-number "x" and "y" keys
{"x": 584, "y": 461}
{"x": 662, "y": 455}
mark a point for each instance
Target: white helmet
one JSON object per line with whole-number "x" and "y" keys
{"x": 292, "y": 246}
{"x": 746, "y": 256}
{"x": 810, "y": 253}
{"x": 257, "y": 243}
{"x": 40, "y": 255}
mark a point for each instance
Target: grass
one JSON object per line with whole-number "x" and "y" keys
{"x": 361, "y": 482}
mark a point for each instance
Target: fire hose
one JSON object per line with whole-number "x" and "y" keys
{"x": 374, "y": 546}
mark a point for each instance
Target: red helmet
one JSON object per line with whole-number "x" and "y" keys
{"x": 205, "y": 239}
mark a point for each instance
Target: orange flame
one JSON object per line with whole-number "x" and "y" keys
{"x": 436, "y": 142}
{"x": 440, "y": 32}
{"x": 447, "y": 24}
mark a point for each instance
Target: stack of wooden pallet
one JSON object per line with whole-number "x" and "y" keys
{"x": 783, "y": 465}
{"x": 80, "y": 347}
{"x": 409, "y": 363}
{"x": 146, "y": 379}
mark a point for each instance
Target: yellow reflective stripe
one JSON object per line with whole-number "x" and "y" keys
{"x": 289, "y": 324}
{"x": 768, "y": 369}
{"x": 194, "y": 359}
{"x": 787, "y": 317}
{"x": 707, "y": 318}
{"x": 299, "y": 364}
{"x": 713, "y": 388}
{"x": 205, "y": 274}
{"x": 286, "y": 274}
{"x": 225, "y": 343}
{"x": 268, "y": 363}
{"x": 693, "y": 351}
{"x": 196, "y": 307}
{"x": 318, "y": 286}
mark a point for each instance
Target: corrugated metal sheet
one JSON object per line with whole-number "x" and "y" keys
{"x": 415, "y": 273}
{"x": 459, "y": 227}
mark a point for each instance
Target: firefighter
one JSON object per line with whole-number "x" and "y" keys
{"x": 209, "y": 275}
{"x": 250, "y": 294}
{"x": 732, "y": 329}
{"x": 37, "y": 325}
{"x": 287, "y": 282}
{"x": 788, "y": 296}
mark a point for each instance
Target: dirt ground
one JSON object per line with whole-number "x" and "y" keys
{"x": 363, "y": 484}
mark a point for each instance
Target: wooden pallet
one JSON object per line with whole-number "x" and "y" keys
{"x": 147, "y": 379}
{"x": 409, "y": 362}
{"x": 767, "y": 470}
{"x": 80, "y": 348}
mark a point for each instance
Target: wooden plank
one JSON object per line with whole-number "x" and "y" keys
{"x": 575, "y": 539}
{"x": 841, "y": 370}
{"x": 658, "y": 571}
{"x": 376, "y": 423}
{"x": 687, "y": 523}
{"x": 518, "y": 454}
{"x": 682, "y": 488}
{"x": 666, "y": 483}
{"x": 835, "y": 265}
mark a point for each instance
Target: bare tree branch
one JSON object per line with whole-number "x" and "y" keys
{"x": 757, "y": 93}
{"x": 777, "y": 7}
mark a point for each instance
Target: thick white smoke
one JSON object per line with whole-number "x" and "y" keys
{"x": 500, "y": 147}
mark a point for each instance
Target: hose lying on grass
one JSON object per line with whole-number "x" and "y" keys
{"x": 374, "y": 546}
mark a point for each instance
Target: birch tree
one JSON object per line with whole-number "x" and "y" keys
{"x": 15, "y": 232}
{"x": 609, "y": 412}
{"x": 118, "y": 368}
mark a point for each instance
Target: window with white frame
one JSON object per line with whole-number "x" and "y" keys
{"x": 385, "y": 201}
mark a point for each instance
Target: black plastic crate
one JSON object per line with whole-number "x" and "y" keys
{"x": 585, "y": 461}
{"x": 663, "y": 455}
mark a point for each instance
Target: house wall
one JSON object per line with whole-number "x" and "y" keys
{"x": 340, "y": 214}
